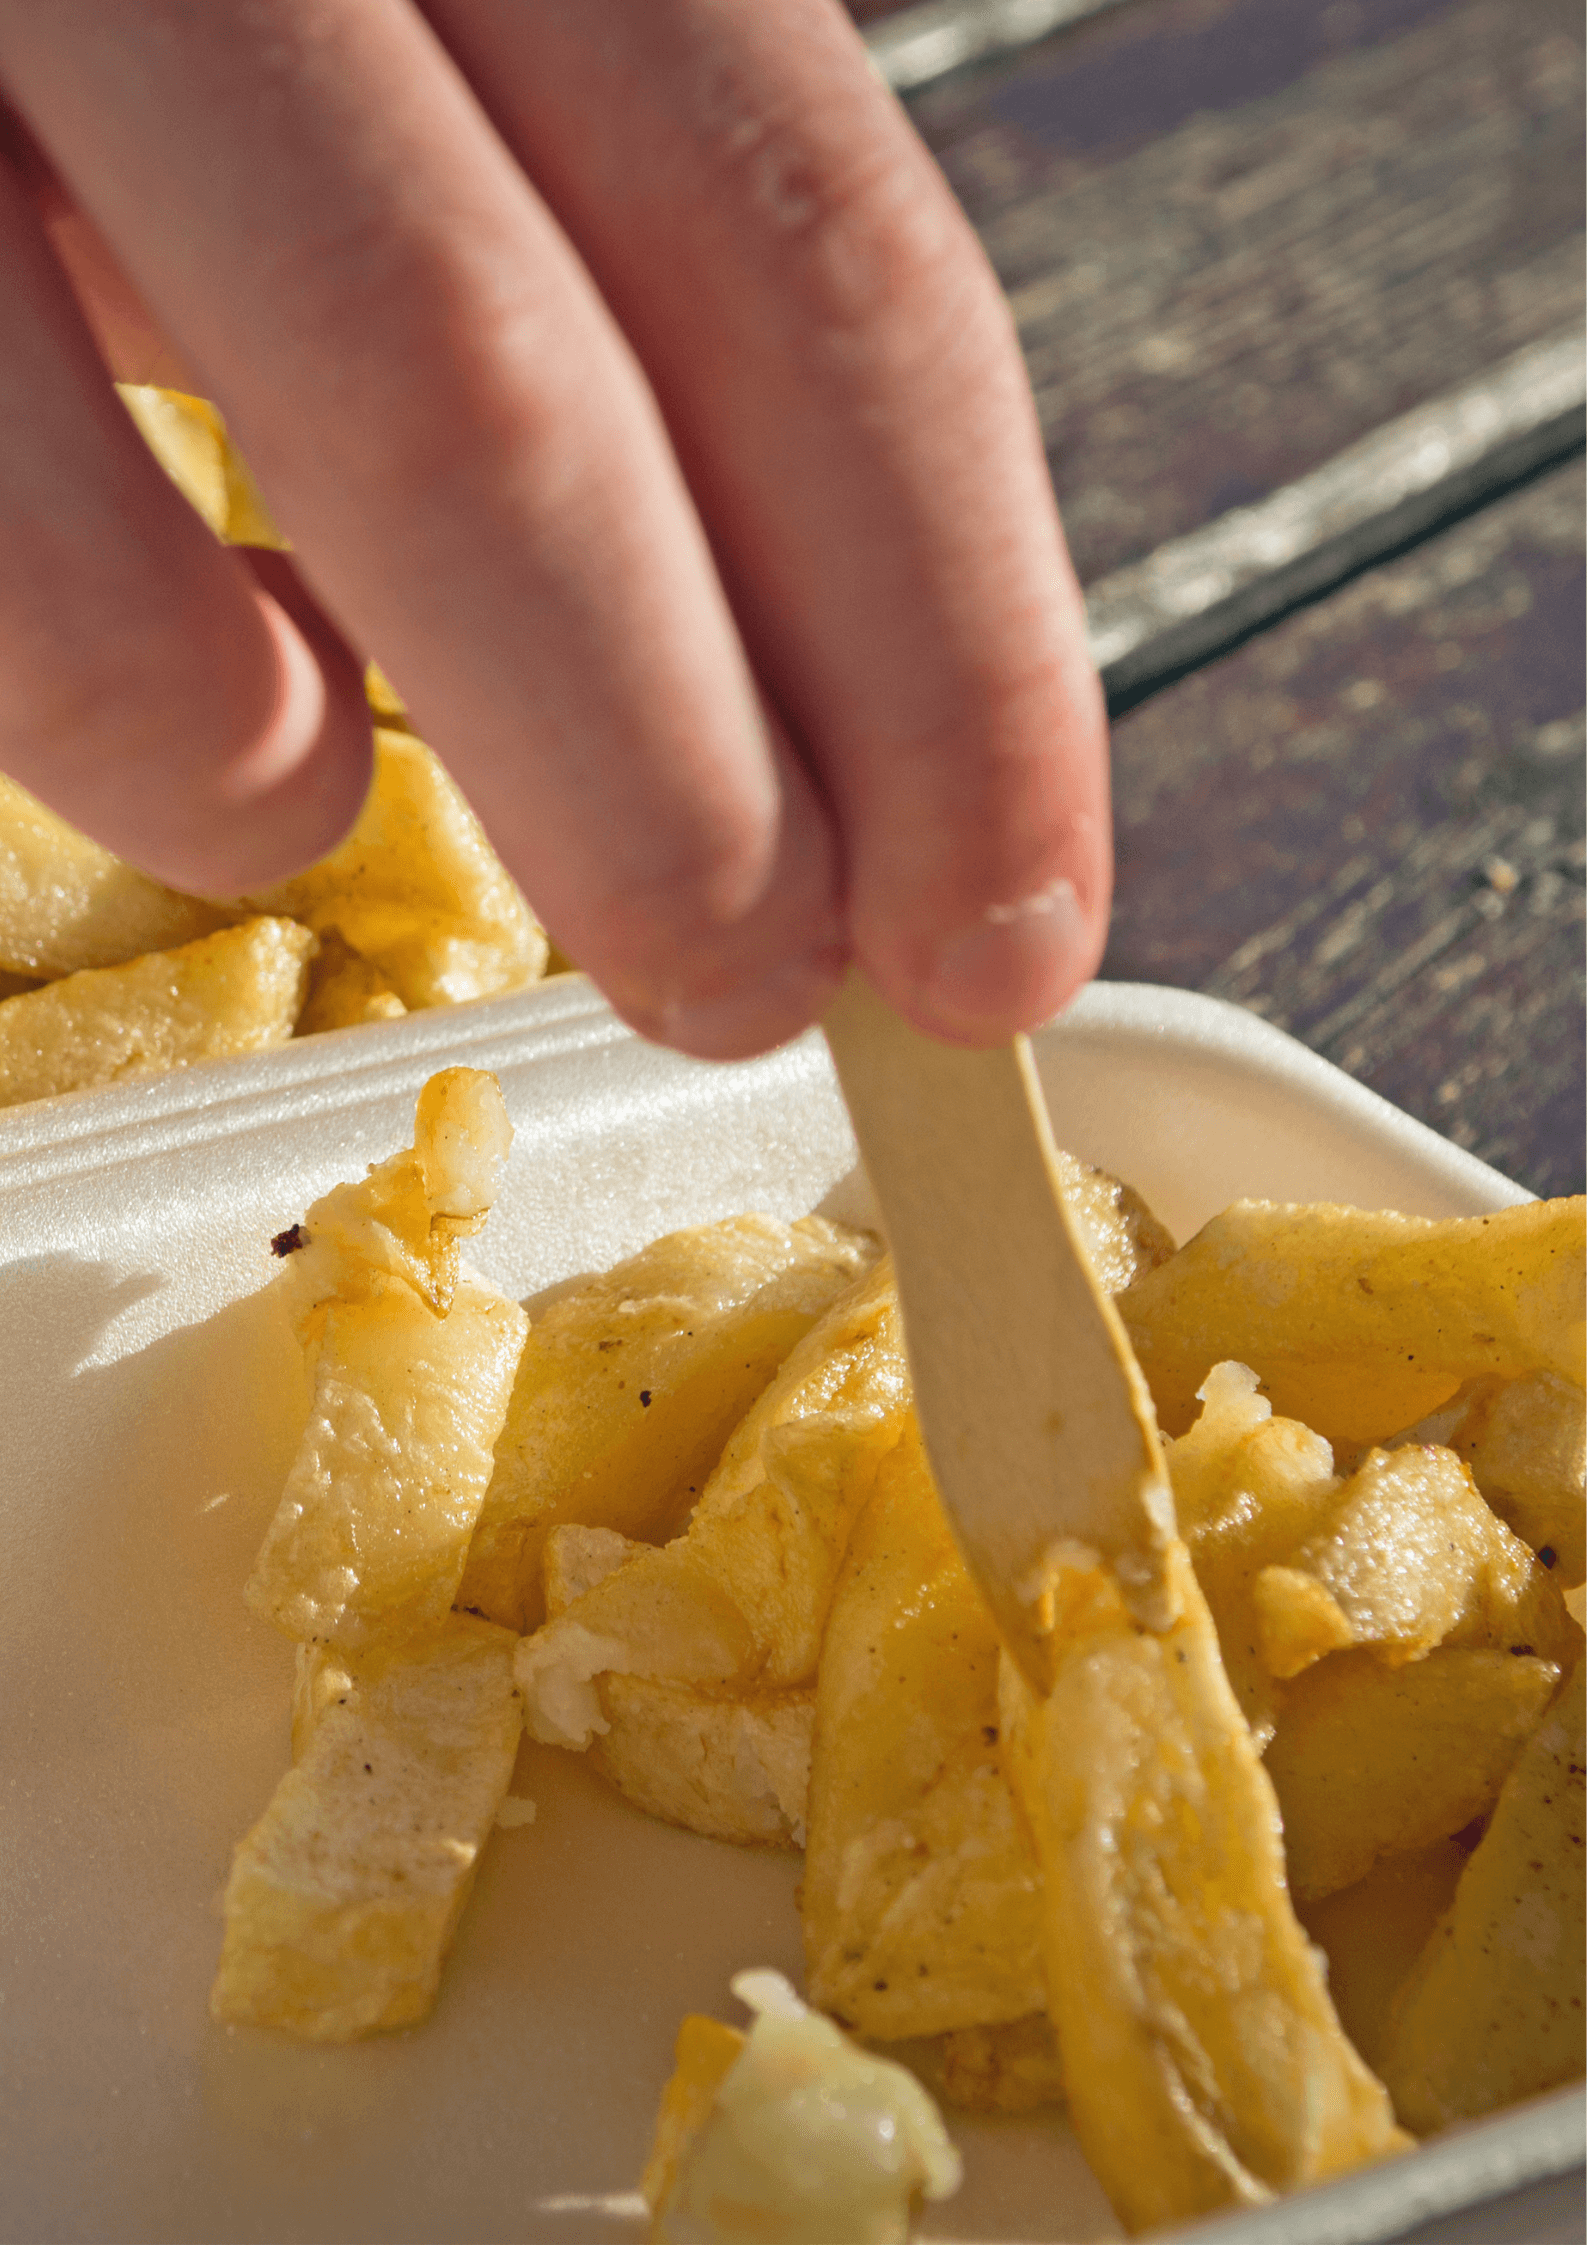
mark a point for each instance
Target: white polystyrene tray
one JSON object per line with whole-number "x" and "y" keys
{"x": 149, "y": 1400}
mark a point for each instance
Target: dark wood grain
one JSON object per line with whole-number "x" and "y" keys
{"x": 1239, "y": 234}
{"x": 1366, "y": 825}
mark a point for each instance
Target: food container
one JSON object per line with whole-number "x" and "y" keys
{"x": 152, "y": 1403}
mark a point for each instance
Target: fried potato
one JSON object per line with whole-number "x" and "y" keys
{"x": 1123, "y": 1239}
{"x": 1408, "y": 1558}
{"x": 416, "y": 889}
{"x": 1248, "y": 1487}
{"x": 187, "y": 435}
{"x": 1526, "y": 1444}
{"x": 1493, "y": 2009}
{"x": 1016, "y": 2068}
{"x": 66, "y": 904}
{"x": 345, "y": 990}
{"x": 740, "y": 1599}
{"x": 344, "y": 1897}
{"x": 921, "y": 1899}
{"x": 1369, "y": 1761}
{"x": 1203, "y": 2062}
{"x": 1373, "y": 1932}
{"x": 233, "y": 992}
{"x": 1358, "y": 1324}
{"x": 412, "y": 1371}
{"x": 631, "y": 1383}
{"x": 731, "y": 1766}
{"x": 704, "y": 2053}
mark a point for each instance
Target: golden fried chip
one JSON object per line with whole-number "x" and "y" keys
{"x": 1248, "y": 1488}
{"x": 1408, "y": 1557}
{"x": 740, "y": 1599}
{"x": 188, "y": 437}
{"x": 1493, "y": 2009}
{"x": 1526, "y": 1444}
{"x": 1369, "y": 1761}
{"x": 1373, "y": 1932}
{"x": 233, "y": 992}
{"x": 417, "y": 890}
{"x": 704, "y": 2052}
{"x": 1358, "y": 1324}
{"x": 66, "y": 904}
{"x": 1203, "y": 2062}
{"x": 345, "y": 990}
{"x": 344, "y": 1897}
{"x": 921, "y": 1899}
{"x": 631, "y": 1383}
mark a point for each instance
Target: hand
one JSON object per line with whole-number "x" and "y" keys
{"x": 628, "y": 381}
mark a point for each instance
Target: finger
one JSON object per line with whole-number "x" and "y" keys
{"x": 150, "y": 689}
{"x": 842, "y": 383}
{"x": 470, "y": 466}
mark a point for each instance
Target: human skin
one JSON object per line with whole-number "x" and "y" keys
{"x": 624, "y": 374}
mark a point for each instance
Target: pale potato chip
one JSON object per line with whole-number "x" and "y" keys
{"x": 1358, "y": 1324}
{"x": 236, "y": 991}
{"x": 417, "y": 890}
{"x": 740, "y": 1598}
{"x": 345, "y": 990}
{"x": 1373, "y": 1932}
{"x": 344, "y": 1897}
{"x": 373, "y": 1525}
{"x": 921, "y": 1899}
{"x": 188, "y": 437}
{"x": 66, "y": 904}
{"x": 1493, "y": 2009}
{"x": 412, "y": 1372}
{"x": 1525, "y": 1441}
{"x": 631, "y": 1383}
{"x": 1203, "y": 2062}
{"x": 1248, "y": 1487}
{"x": 1408, "y": 1557}
{"x": 1369, "y": 1761}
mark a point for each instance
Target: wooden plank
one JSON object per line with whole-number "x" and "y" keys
{"x": 1367, "y": 825}
{"x": 1238, "y": 235}
{"x": 1201, "y": 593}
{"x": 913, "y": 46}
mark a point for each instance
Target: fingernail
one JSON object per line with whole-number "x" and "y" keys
{"x": 1017, "y": 963}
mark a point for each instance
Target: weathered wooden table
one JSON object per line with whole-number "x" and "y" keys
{"x": 1299, "y": 283}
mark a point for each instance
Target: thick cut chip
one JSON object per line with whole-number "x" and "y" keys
{"x": 412, "y": 1371}
{"x": 1526, "y": 1444}
{"x": 1358, "y": 1324}
{"x": 1016, "y": 2068}
{"x": 67, "y": 904}
{"x": 705, "y": 2051}
{"x": 373, "y": 1525}
{"x": 1493, "y": 2010}
{"x": 404, "y": 1220}
{"x": 1408, "y": 1558}
{"x": 1123, "y": 1238}
{"x": 731, "y": 1766}
{"x": 632, "y": 1382}
{"x": 1373, "y": 1932}
{"x": 1203, "y": 2062}
{"x": 921, "y": 1900}
{"x": 1248, "y": 1488}
{"x": 187, "y": 435}
{"x": 1370, "y": 1761}
{"x": 344, "y": 1897}
{"x": 417, "y": 890}
{"x": 739, "y": 1601}
{"x": 345, "y": 990}
{"x": 233, "y": 992}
